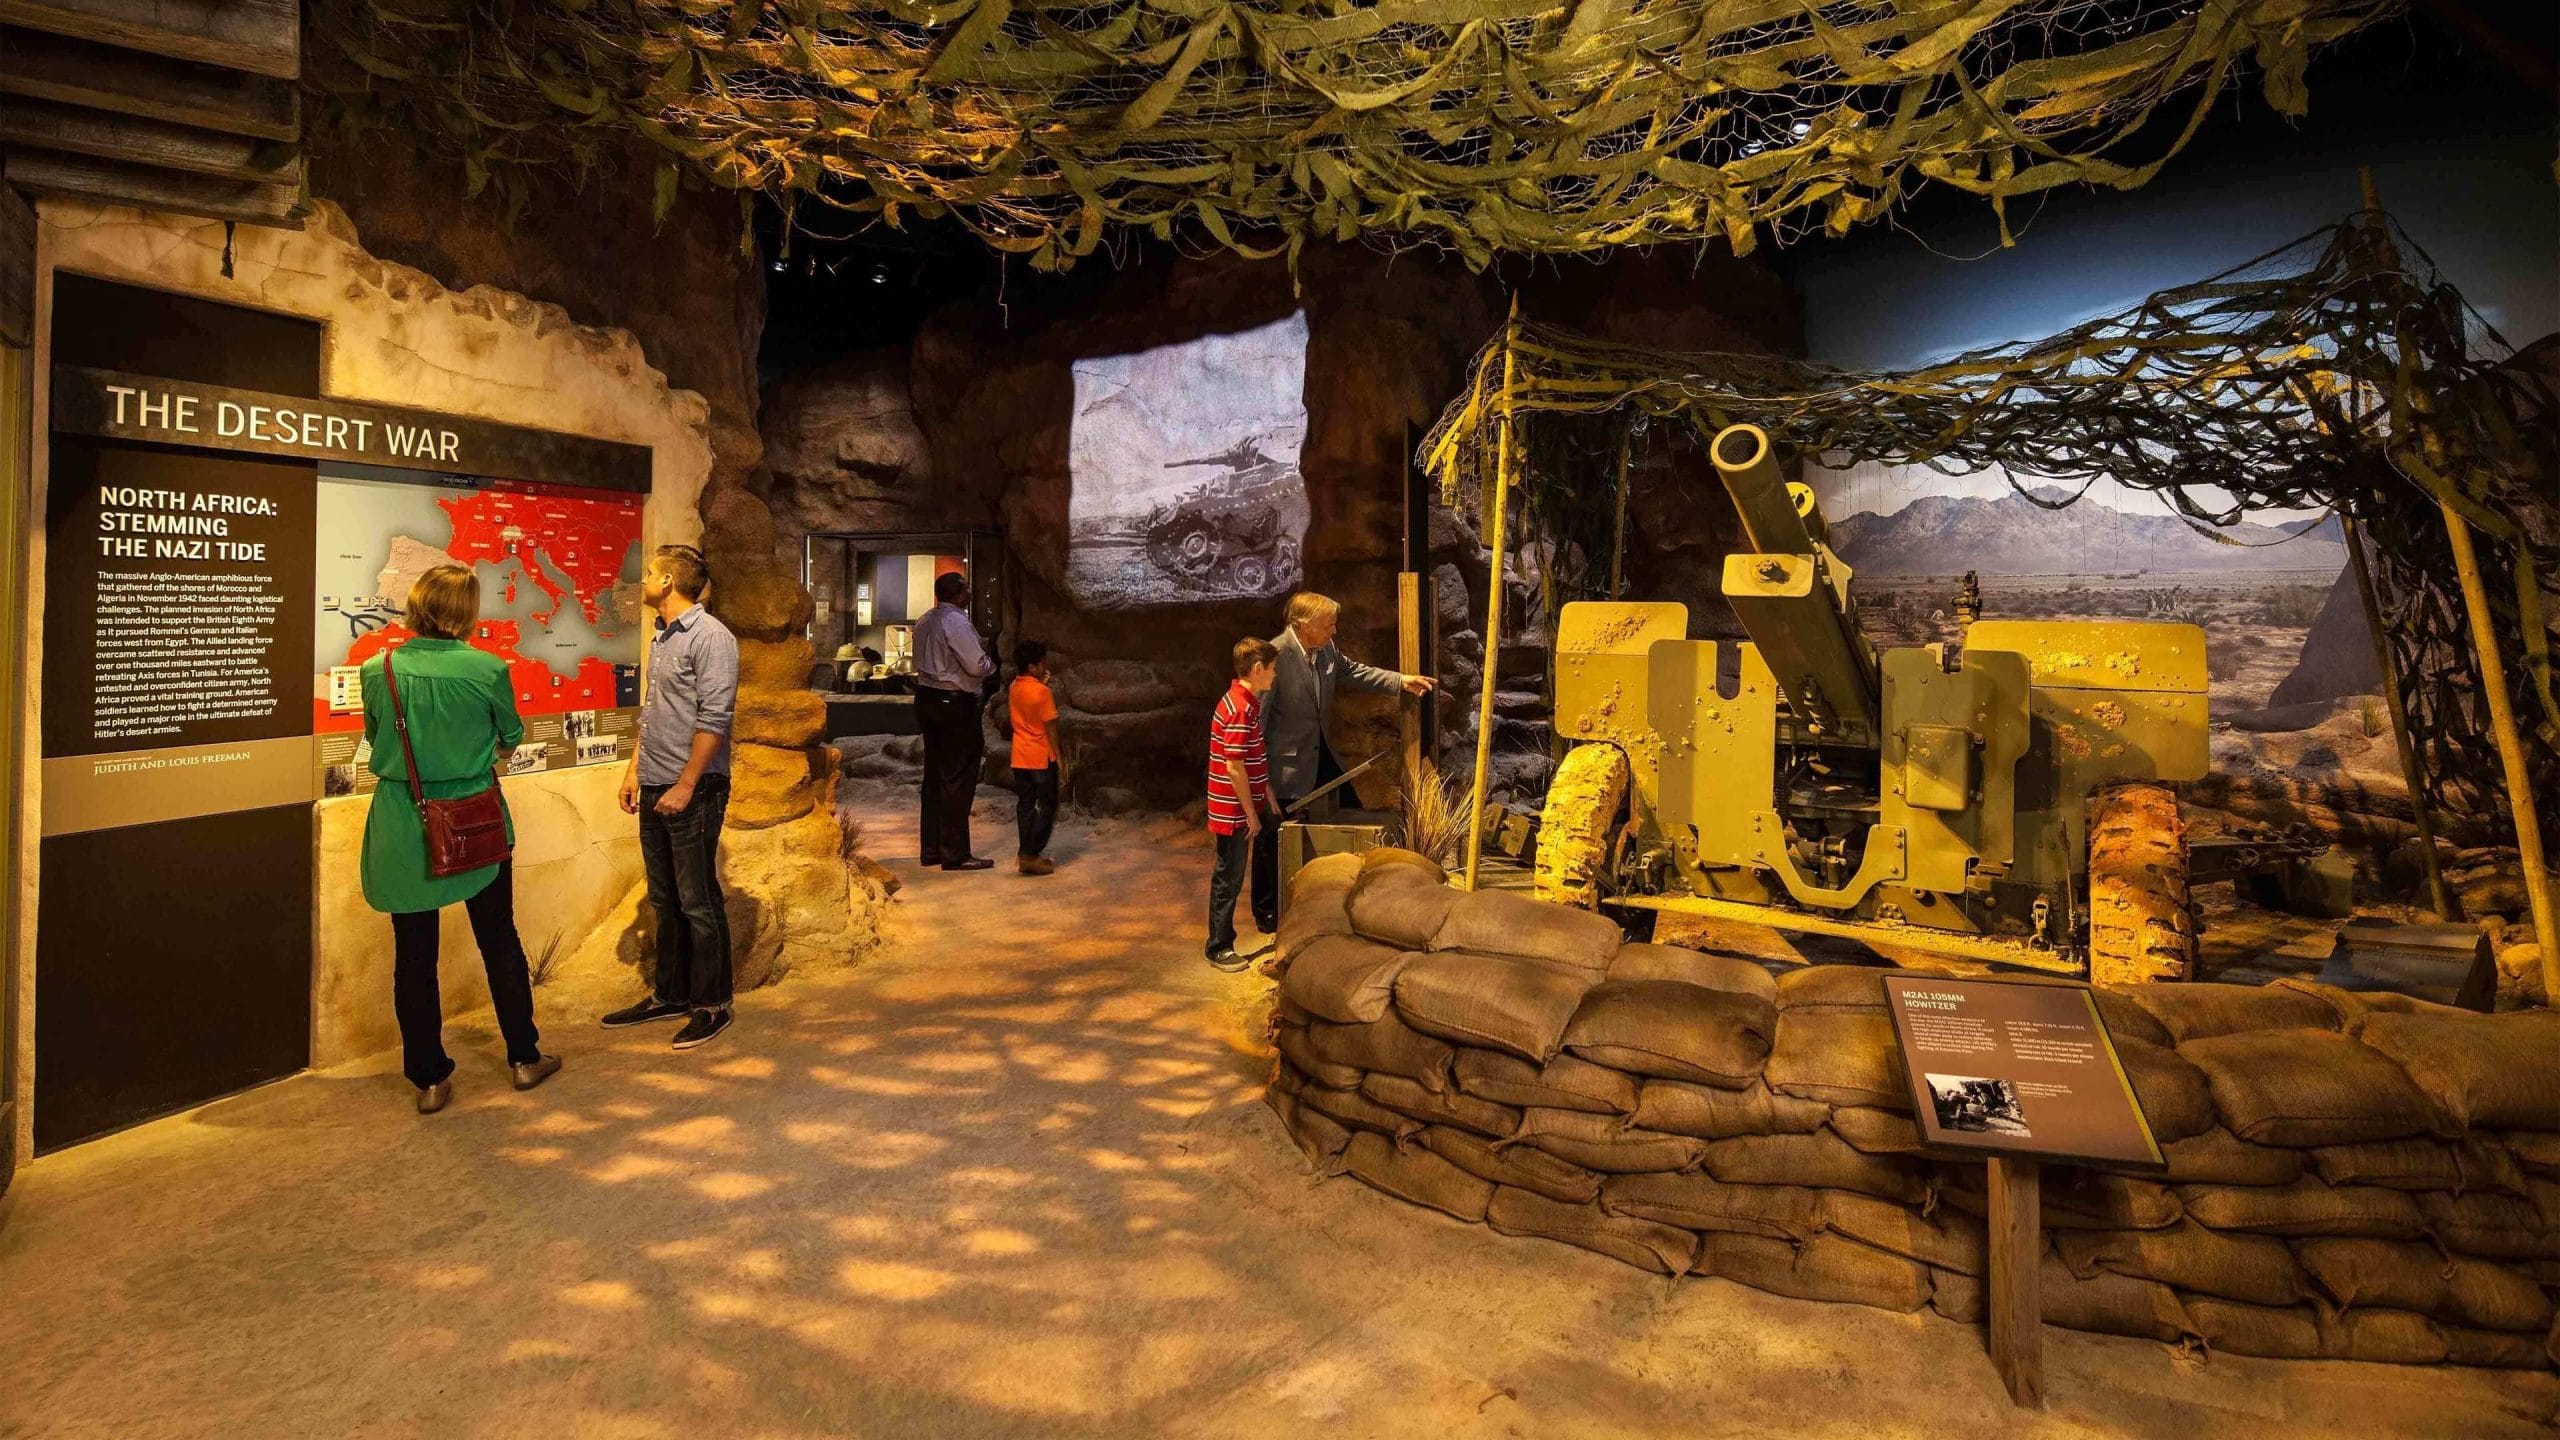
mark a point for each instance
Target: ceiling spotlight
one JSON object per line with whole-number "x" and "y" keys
{"x": 880, "y": 275}
{"x": 1803, "y": 128}
{"x": 778, "y": 266}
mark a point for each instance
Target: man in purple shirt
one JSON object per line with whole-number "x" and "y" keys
{"x": 951, "y": 673}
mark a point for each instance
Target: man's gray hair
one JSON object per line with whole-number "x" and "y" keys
{"x": 1307, "y": 605}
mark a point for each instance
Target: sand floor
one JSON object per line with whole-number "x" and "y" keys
{"x": 1010, "y": 1178}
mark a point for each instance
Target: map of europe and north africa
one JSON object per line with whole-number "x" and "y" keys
{"x": 559, "y": 575}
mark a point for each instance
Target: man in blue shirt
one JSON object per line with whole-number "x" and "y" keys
{"x": 678, "y": 784}
{"x": 952, "y": 667}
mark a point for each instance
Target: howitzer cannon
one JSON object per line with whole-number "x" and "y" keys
{"x": 2005, "y": 799}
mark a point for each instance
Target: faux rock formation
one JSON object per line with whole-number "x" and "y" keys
{"x": 972, "y": 426}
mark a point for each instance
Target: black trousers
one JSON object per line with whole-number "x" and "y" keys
{"x": 418, "y": 1000}
{"x": 1266, "y": 850}
{"x": 954, "y": 747}
{"x": 680, "y": 853}
{"x": 1226, "y": 882}
{"x": 1035, "y": 807}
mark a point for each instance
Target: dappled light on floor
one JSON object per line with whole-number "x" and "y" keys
{"x": 1010, "y": 1178}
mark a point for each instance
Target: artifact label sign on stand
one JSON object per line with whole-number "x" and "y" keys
{"x": 2017, "y": 1073}
{"x": 2016, "y": 1069}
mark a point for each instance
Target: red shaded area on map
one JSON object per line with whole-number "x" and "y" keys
{"x": 552, "y": 533}
{"x": 545, "y": 530}
{"x": 540, "y": 690}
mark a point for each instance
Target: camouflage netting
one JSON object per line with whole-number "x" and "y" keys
{"x": 2340, "y": 372}
{"x": 1481, "y": 125}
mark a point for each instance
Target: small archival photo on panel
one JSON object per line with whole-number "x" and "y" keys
{"x": 1972, "y": 1103}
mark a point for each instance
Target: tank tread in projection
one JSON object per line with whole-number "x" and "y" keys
{"x": 2140, "y": 926}
{"x": 1579, "y": 823}
{"x": 1229, "y": 535}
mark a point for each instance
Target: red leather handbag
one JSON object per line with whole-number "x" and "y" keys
{"x": 466, "y": 833}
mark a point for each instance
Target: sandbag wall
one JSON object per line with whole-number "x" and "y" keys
{"x": 2349, "y": 1176}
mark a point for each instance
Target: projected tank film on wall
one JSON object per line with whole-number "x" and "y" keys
{"x": 1185, "y": 470}
{"x": 2294, "y": 682}
{"x": 559, "y": 570}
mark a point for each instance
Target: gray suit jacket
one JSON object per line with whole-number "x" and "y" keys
{"x": 1293, "y": 714}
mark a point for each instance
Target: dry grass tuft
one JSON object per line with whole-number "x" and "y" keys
{"x": 1431, "y": 813}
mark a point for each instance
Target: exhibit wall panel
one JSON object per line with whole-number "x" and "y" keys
{"x": 389, "y": 336}
{"x": 173, "y": 924}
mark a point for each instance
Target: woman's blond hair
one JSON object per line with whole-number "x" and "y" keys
{"x": 445, "y": 602}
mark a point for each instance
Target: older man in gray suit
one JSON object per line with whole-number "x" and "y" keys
{"x": 1293, "y": 715}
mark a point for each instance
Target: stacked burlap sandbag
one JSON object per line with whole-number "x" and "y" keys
{"x": 2349, "y": 1176}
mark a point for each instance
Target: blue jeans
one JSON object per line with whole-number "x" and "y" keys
{"x": 681, "y": 854}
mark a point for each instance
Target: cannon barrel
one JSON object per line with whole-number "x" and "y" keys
{"x": 1792, "y": 596}
{"x": 1749, "y": 465}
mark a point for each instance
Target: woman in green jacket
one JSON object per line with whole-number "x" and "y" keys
{"x": 461, "y": 708}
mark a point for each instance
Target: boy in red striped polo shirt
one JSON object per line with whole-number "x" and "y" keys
{"x": 1239, "y": 791}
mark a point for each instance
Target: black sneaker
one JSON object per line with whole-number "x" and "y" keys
{"x": 1228, "y": 960}
{"x": 702, "y": 1029}
{"x": 645, "y": 1012}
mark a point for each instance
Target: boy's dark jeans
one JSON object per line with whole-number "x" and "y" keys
{"x": 680, "y": 854}
{"x": 1235, "y": 858}
{"x": 1035, "y": 807}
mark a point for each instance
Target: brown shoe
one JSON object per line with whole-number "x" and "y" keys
{"x": 535, "y": 1072}
{"x": 1037, "y": 865}
{"x": 435, "y": 1097}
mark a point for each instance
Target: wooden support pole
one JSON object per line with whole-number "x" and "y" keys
{"x": 2410, "y": 774}
{"x": 1409, "y": 660}
{"x": 2016, "y": 1259}
{"x": 1618, "y": 528}
{"x": 2502, "y": 726}
{"x": 1493, "y": 601}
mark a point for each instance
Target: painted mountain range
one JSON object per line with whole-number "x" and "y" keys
{"x": 2012, "y": 535}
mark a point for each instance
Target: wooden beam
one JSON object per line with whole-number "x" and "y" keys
{"x": 263, "y": 37}
{"x": 47, "y": 67}
{"x": 45, "y": 125}
{"x": 2016, "y": 1256}
{"x": 17, "y": 285}
{"x": 115, "y": 184}
{"x": 1409, "y": 660}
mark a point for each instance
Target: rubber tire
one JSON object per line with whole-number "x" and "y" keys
{"x": 1584, "y": 803}
{"x": 2140, "y": 928}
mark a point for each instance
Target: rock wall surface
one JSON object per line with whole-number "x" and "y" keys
{"x": 970, "y": 426}
{"x": 577, "y": 856}
{"x": 694, "y": 294}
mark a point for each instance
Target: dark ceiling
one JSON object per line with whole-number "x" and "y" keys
{"x": 2453, "y": 69}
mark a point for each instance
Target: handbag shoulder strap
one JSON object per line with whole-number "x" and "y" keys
{"x": 400, "y": 722}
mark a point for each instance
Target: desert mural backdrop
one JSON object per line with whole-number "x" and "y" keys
{"x": 2294, "y": 687}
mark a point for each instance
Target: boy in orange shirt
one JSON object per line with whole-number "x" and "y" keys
{"x": 1035, "y": 757}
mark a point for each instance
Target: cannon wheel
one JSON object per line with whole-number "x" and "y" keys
{"x": 2139, "y": 925}
{"x": 1580, "y": 819}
